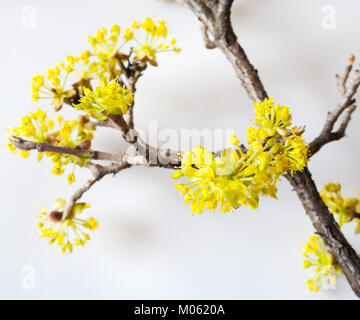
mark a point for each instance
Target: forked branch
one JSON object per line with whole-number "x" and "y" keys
{"x": 347, "y": 85}
{"x": 98, "y": 173}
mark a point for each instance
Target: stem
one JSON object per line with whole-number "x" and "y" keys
{"x": 326, "y": 227}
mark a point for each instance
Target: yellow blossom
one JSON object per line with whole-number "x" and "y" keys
{"x": 115, "y": 29}
{"x": 108, "y": 51}
{"x": 234, "y": 140}
{"x": 271, "y": 132}
{"x": 71, "y": 178}
{"x": 66, "y": 232}
{"x": 129, "y": 35}
{"x": 346, "y": 209}
{"x": 235, "y": 178}
{"x": 316, "y": 255}
{"x": 107, "y": 99}
{"x": 52, "y": 86}
{"x": 153, "y": 41}
{"x": 227, "y": 181}
{"x": 24, "y": 154}
{"x": 36, "y": 127}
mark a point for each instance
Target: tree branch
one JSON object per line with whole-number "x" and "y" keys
{"x": 215, "y": 16}
{"x": 103, "y": 123}
{"x": 44, "y": 147}
{"x": 327, "y": 227}
{"x": 346, "y": 107}
{"x": 132, "y": 86}
{"x": 145, "y": 154}
{"x": 98, "y": 173}
{"x": 216, "y": 19}
{"x": 210, "y": 44}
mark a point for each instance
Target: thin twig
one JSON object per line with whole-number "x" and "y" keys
{"x": 208, "y": 43}
{"x": 98, "y": 173}
{"x": 347, "y": 86}
{"x": 132, "y": 88}
{"x": 103, "y": 123}
{"x": 44, "y": 147}
{"x": 145, "y": 154}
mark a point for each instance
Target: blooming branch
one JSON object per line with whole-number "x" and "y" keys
{"x": 215, "y": 17}
{"x": 44, "y": 147}
{"x": 104, "y": 93}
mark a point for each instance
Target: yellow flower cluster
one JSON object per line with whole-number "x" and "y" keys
{"x": 146, "y": 39}
{"x": 232, "y": 180}
{"x": 104, "y": 62}
{"x": 63, "y": 133}
{"x": 153, "y": 41}
{"x": 93, "y": 82}
{"x": 235, "y": 178}
{"x": 108, "y": 99}
{"x": 347, "y": 209}
{"x": 74, "y": 230}
{"x": 52, "y": 85}
{"x": 107, "y": 48}
{"x": 316, "y": 255}
{"x": 271, "y": 133}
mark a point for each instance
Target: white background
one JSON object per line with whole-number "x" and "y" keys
{"x": 148, "y": 246}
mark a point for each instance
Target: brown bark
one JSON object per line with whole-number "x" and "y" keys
{"x": 326, "y": 227}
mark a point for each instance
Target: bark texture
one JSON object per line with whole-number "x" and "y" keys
{"x": 326, "y": 227}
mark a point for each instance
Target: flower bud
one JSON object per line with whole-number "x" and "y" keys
{"x": 55, "y": 216}
{"x": 85, "y": 145}
{"x": 177, "y": 174}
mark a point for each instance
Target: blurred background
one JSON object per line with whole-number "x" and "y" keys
{"x": 147, "y": 245}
